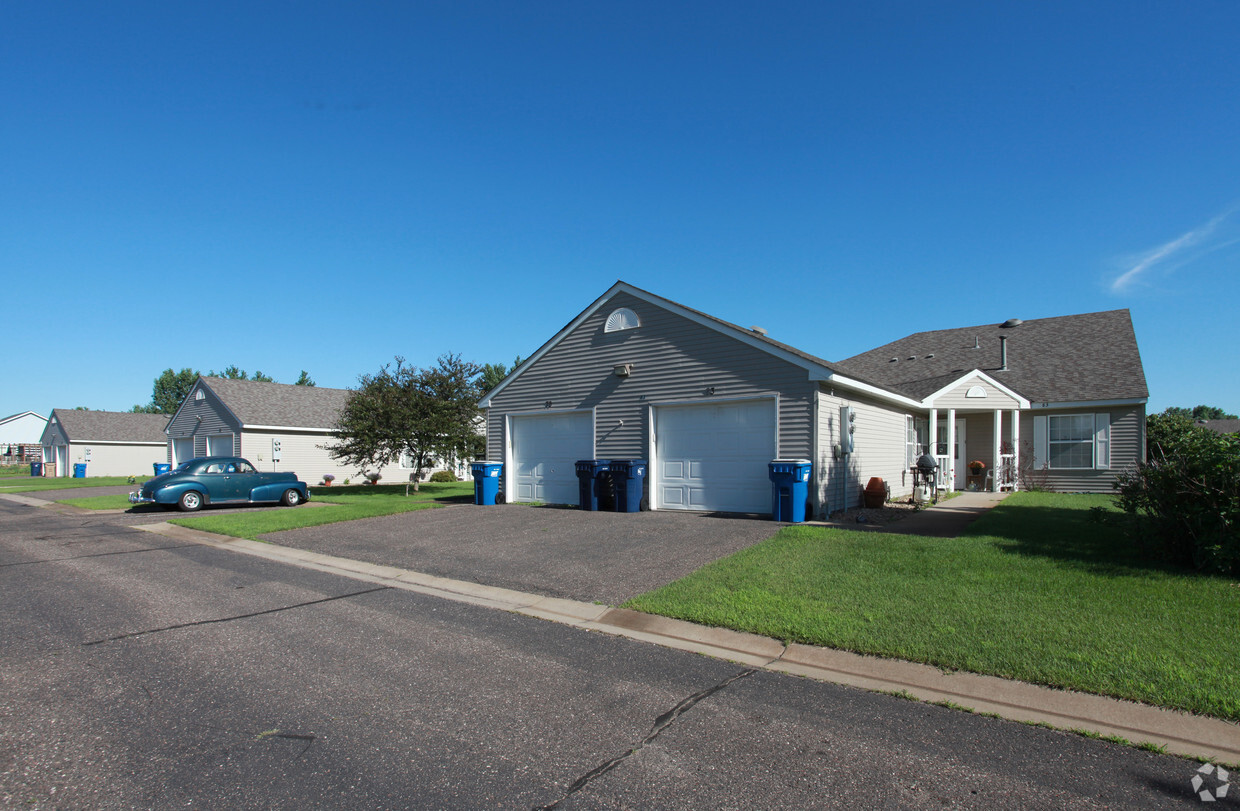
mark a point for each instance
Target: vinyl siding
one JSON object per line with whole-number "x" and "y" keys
{"x": 879, "y": 448}
{"x": 215, "y": 421}
{"x": 995, "y": 398}
{"x": 1127, "y": 448}
{"x": 674, "y": 360}
{"x": 117, "y": 460}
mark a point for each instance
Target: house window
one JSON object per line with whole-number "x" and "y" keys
{"x": 1072, "y": 441}
{"x": 910, "y": 441}
{"x": 622, "y": 319}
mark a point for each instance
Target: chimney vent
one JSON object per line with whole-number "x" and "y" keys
{"x": 759, "y": 330}
{"x": 1003, "y": 353}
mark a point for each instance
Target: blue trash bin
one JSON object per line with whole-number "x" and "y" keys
{"x": 161, "y": 468}
{"x": 486, "y": 481}
{"x": 79, "y": 470}
{"x": 36, "y": 469}
{"x": 594, "y": 488}
{"x": 627, "y": 475}
{"x": 789, "y": 488}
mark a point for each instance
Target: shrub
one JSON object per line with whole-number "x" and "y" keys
{"x": 444, "y": 476}
{"x": 1188, "y": 493}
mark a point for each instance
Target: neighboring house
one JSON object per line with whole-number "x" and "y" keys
{"x": 19, "y": 437}
{"x": 275, "y": 425}
{"x": 1221, "y": 426}
{"x": 710, "y": 403}
{"x": 109, "y": 443}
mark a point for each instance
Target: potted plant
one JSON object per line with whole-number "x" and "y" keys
{"x": 328, "y": 479}
{"x": 976, "y": 467}
{"x": 374, "y": 477}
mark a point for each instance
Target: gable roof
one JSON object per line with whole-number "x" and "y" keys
{"x": 111, "y": 426}
{"x": 278, "y": 405}
{"x": 21, "y": 414}
{"x": 1091, "y": 357}
{"x": 816, "y": 367}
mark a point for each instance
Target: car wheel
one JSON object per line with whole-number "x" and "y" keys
{"x": 291, "y": 498}
{"x": 190, "y": 501}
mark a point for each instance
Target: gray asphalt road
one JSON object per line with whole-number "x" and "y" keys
{"x": 136, "y": 672}
{"x": 603, "y": 556}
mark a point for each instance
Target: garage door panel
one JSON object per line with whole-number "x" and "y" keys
{"x": 545, "y": 449}
{"x": 714, "y": 457}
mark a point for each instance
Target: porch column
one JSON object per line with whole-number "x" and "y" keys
{"x": 1015, "y": 450}
{"x": 996, "y": 463}
{"x": 933, "y": 445}
{"x": 951, "y": 449}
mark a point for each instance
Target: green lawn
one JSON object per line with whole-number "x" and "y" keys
{"x": 349, "y": 504}
{"x": 66, "y": 483}
{"x": 119, "y": 502}
{"x": 1038, "y": 590}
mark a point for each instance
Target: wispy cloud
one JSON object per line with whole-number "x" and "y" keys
{"x": 1168, "y": 251}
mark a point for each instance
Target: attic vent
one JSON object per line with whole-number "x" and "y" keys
{"x": 759, "y": 330}
{"x": 931, "y": 355}
{"x": 198, "y": 395}
{"x": 622, "y": 319}
{"x": 1013, "y": 322}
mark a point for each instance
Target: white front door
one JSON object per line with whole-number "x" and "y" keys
{"x": 959, "y": 453}
{"x": 714, "y": 456}
{"x": 545, "y": 449}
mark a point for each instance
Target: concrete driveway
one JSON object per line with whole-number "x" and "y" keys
{"x": 590, "y": 556}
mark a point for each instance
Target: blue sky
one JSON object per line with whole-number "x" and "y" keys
{"x": 322, "y": 186}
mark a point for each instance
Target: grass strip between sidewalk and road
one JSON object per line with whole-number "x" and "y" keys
{"x": 348, "y": 504}
{"x": 68, "y": 483}
{"x": 1045, "y": 588}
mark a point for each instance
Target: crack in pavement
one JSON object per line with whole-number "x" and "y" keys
{"x": 236, "y": 617}
{"x": 661, "y": 723}
{"x": 99, "y": 555}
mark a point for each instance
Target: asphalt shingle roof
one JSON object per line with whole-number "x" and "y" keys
{"x": 1071, "y": 358}
{"x": 279, "y": 404}
{"x": 1221, "y": 426}
{"x": 111, "y": 426}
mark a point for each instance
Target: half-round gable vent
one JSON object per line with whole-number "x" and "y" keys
{"x": 623, "y": 318}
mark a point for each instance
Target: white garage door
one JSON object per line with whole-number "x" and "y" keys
{"x": 714, "y": 457}
{"x": 220, "y": 445}
{"x": 182, "y": 451}
{"x": 545, "y": 449}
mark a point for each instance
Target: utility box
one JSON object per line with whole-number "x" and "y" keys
{"x": 627, "y": 476}
{"x": 789, "y": 488}
{"x": 486, "y": 481}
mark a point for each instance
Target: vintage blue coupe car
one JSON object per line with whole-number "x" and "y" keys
{"x": 220, "y": 480}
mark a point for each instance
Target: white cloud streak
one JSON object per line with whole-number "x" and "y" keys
{"x": 1162, "y": 253}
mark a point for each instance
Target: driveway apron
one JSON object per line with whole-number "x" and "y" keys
{"x": 590, "y": 556}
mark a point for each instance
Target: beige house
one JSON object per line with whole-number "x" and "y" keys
{"x": 108, "y": 443}
{"x": 709, "y": 404}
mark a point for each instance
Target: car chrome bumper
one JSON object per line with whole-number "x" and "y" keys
{"x": 137, "y": 498}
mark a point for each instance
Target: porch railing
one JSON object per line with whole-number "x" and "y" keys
{"x": 944, "y": 471}
{"x": 1007, "y": 471}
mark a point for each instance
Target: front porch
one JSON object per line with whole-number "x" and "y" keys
{"x": 991, "y": 439}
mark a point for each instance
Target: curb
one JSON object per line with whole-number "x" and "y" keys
{"x": 1180, "y": 733}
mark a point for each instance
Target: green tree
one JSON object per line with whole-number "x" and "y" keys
{"x": 422, "y": 414}
{"x": 170, "y": 389}
{"x": 234, "y": 373}
{"x": 304, "y": 379}
{"x": 1201, "y": 412}
{"x": 492, "y": 374}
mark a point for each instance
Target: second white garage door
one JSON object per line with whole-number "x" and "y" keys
{"x": 714, "y": 457}
{"x": 545, "y": 450}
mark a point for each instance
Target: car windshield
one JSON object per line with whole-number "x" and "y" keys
{"x": 184, "y": 466}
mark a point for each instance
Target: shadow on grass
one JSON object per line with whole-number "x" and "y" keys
{"x": 1105, "y": 540}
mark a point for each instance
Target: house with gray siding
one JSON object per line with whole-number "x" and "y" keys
{"x": 709, "y": 403}
{"x": 276, "y": 426}
{"x": 109, "y": 443}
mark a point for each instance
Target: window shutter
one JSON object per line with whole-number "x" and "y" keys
{"x": 1041, "y": 449}
{"x": 1102, "y": 441}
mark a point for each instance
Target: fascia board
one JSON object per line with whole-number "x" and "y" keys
{"x": 116, "y": 442}
{"x": 1092, "y": 403}
{"x": 975, "y": 374}
{"x": 874, "y": 391}
{"x": 248, "y": 427}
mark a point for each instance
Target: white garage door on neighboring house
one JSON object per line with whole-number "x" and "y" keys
{"x": 182, "y": 451}
{"x": 220, "y": 445}
{"x": 545, "y": 449}
{"x": 714, "y": 457}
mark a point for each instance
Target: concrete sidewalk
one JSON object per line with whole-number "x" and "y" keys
{"x": 947, "y": 519}
{"x": 1180, "y": 733}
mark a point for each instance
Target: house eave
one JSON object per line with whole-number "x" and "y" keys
{"x": 1092, "y": 403}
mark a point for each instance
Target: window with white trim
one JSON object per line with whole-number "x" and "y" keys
{"x": 1072, "y": 441}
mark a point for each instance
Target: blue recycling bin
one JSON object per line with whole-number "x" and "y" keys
{"x": 627, "y": 476}
{"x": 486, "y": 481}
{"x": 161, "y": 468}
{"x": 79, "y": 470}
{"x": 36, "y": 469}
{"x": 594, "y": 487}
{"x": 789, "y": 488}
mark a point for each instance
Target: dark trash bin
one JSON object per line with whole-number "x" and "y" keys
{"x": 594, "y": 486}
{"x": 789, "y": 488}
{"x": 486, "y": 481}
{"x": 627, "y": 476}
{"x": 161, "y": 468}
{"x": 36, "y": 469}
{"x": 79, "y": 470}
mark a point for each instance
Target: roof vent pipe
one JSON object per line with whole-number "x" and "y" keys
{"x": 1002, "y": 353}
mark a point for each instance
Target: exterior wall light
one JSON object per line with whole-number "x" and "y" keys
{"x": 623, "y": 369}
